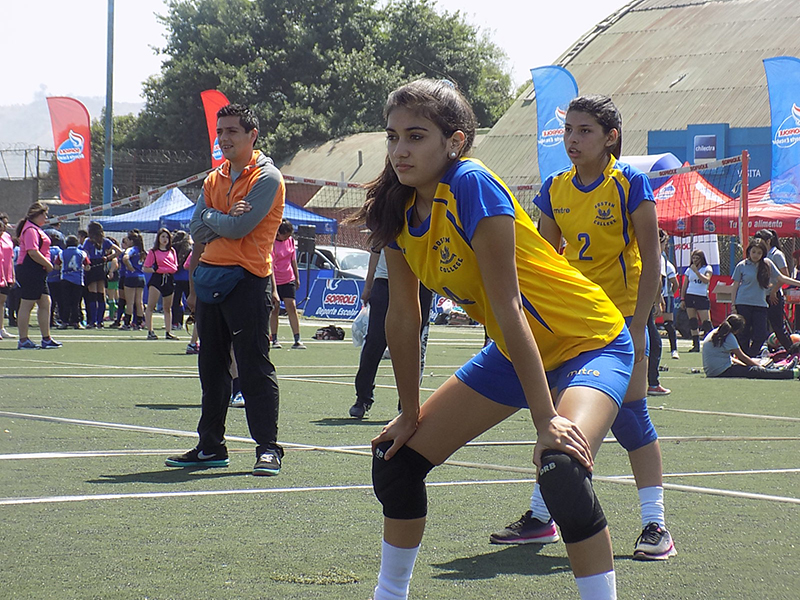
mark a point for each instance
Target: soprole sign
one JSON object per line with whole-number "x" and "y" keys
{"x": 334, "y": 299}
{"x": 788, "y": 132}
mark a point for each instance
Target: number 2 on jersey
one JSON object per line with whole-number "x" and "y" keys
{"x": 582, "y": 253}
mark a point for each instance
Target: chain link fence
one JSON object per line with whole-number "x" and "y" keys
{"x": 137, "y": 170}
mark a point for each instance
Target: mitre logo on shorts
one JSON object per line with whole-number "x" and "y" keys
{"x": 788, "y": 132}
{"x": 605, "y": 214}
{"x": 584, "y": 371}
{"x": 448, "y": 260}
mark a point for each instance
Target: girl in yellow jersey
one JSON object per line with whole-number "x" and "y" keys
{"x": 605, "y": 211}
{"x": 560, "y": 349}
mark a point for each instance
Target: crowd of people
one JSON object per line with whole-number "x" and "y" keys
{"x": 568, "y": 305}
{"x": 88, "y": 281}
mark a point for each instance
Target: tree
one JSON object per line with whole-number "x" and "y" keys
{"x": 312, "y": 71}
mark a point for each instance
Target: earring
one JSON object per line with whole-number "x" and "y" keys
{"x": 453, "y": 155}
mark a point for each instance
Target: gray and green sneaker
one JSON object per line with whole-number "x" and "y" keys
{"x": 200, "y": 458}
{"x": 268, "y": 462}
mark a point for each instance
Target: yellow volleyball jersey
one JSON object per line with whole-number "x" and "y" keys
{"x": 568, "y": 314}
{"x": 595, "y": 221}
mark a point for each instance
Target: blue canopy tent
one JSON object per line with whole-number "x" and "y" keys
{"x": 654, "y": 162}
{"x": 148, "y": 219}
{"x": 298, "y": 216}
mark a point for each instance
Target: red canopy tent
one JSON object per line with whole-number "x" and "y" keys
{"x": 762, "y": 213}
{"x": 681, "y": 198}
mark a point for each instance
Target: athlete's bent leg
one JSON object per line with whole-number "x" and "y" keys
{"x": 450, "y": 418}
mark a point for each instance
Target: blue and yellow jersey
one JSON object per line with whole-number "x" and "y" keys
{"x": 568, "y": 314}
{"x": 595, "y": 221}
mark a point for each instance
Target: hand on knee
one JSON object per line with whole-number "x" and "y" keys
{"x": 399, "y": 483}
{"x": 567, "y": 490}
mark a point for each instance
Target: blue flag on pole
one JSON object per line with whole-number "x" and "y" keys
{"x": 555, "y": 87}
{"x": 783, "y": 83}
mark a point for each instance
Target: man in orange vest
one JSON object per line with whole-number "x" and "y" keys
{"x": 234, "y": 227}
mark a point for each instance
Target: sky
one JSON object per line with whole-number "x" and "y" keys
{"x": 61, "y": 50}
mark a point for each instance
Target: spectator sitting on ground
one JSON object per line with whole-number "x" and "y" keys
{"x": 723, "y": 357}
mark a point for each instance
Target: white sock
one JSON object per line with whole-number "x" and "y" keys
{"x": 397, "y": 565}
{"x": 538, "y": 507}
{"x": 602, "y": 586}
{"x": 651, "y": 503}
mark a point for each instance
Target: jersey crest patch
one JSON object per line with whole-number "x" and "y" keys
{"x": 605, "y": 214}
{"x": 448, "y": 261}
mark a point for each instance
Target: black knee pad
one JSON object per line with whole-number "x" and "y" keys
{"x": 567, "y": 490}
{"x": 693, "y": 324}
{"x": 707, "y": 327}
{"x": 399, "y": 483}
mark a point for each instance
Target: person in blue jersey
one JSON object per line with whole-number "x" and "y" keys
{"x": 113, "y": 273}
{"x": 54, "y": 283}
{"x": 605, "y": 211}
{"x": 122, "y": 272}
{"x": 133, "y": 259}
{"x": 100, "y": 250}
{"x": 74, "y": 262}
{"x": 560, "y": 347}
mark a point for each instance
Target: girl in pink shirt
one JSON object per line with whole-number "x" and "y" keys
{"x": 162, "y": 262}
{"x": 7, "y": 280}
{"x": 33, "y": 265}
{"x": 286, "y": 279}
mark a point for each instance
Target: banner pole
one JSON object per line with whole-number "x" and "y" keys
{"x": 744, "y": 234}
{"x": 108, "y": 169}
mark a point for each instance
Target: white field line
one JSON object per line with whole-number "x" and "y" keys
{"x": 177, "y": 494}
{"x": 630, "y": 481}
{"x": 625, "y": 480}
{"x": 364, "y": 450}
{"x": 182, "y": 433}
{"x": 150, "y": 495}
{"x": 178, "y": 372}
{"x": 725, "y": 414}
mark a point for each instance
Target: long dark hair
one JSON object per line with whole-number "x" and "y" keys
{"x": 770, "y": 236}
{"x": 34, "y": 210}
{"x": 438, "y": 101}
{"x": 762, "y": 274}
{"x": 96, "y": 233}
{"x": 733, "y": 324}
{"x": 702, "y": 255}
{"x": 605, "y": 112}
{"x": 136, "y": 240}
{"x": 157, "y": 245}
{"x": 182, "y": 244}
